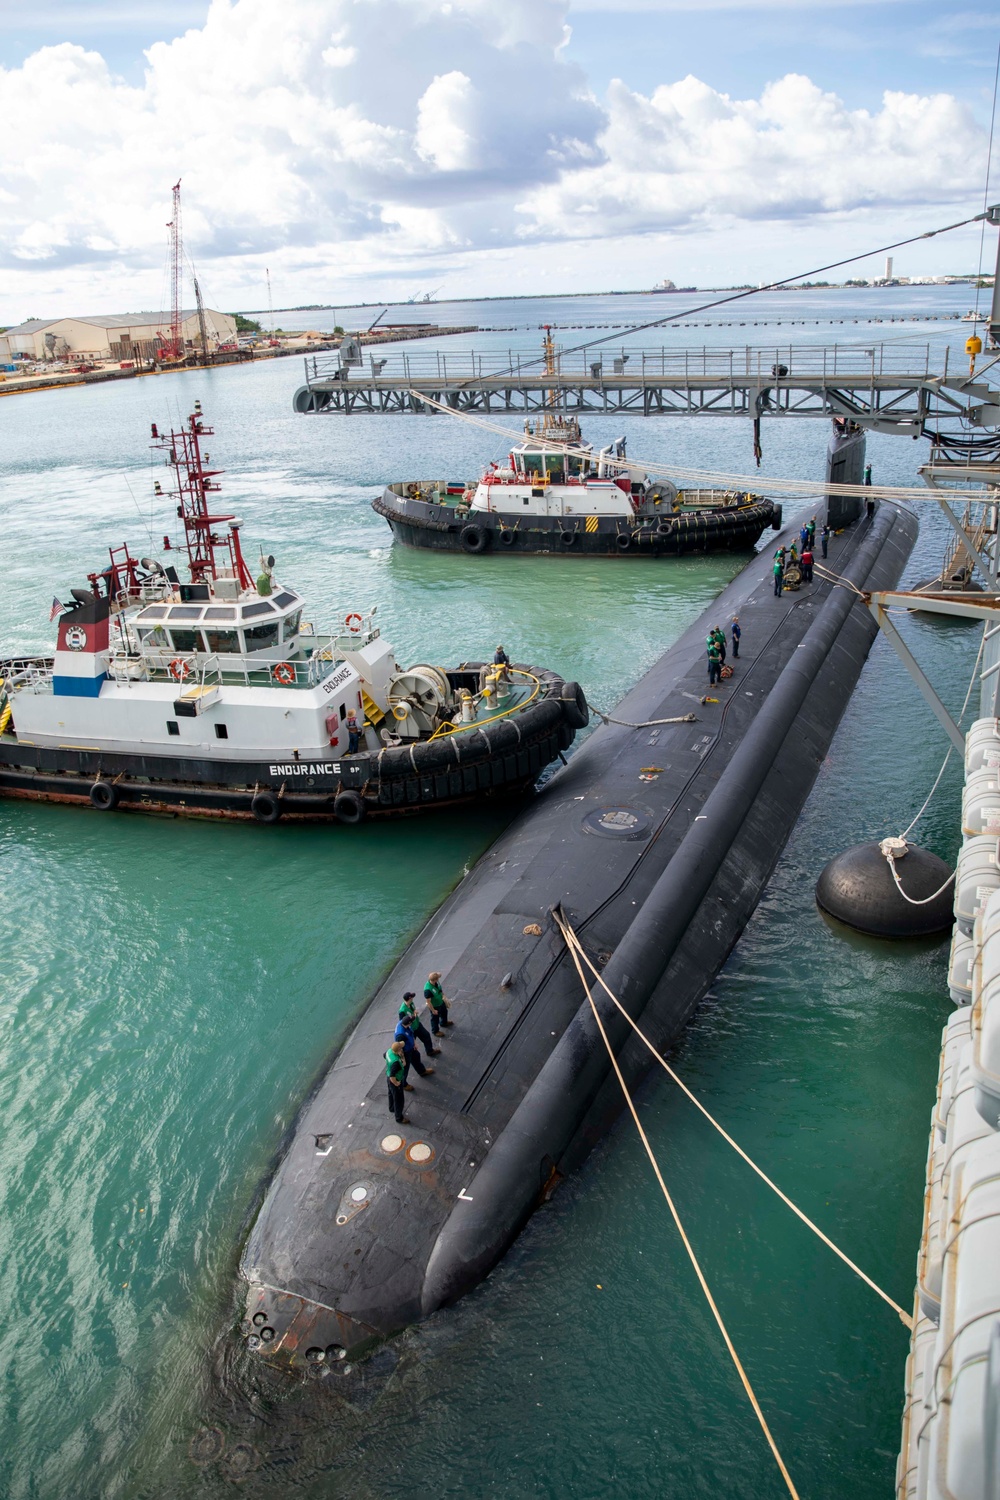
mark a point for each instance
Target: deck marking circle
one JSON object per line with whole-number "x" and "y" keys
{"x": 420, "y": 1152}
{"x": 617, "y": 823}
{"x": 391, "y": 1143}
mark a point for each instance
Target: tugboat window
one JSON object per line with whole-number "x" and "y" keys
{"x": 221, "y": 732}
{"x": 292, "y": 625}
{"x": 183, "y": 612}
{"x": 260, "y": 636}
{"x": 186, "y": 640}
{"x": 222, "y": 640}
{"x": 220, "y": 614}
{"x": 284, "y": 599}
{"x": 155, "y": 637}
{"x": 173, "y": 727}
{"x": 250, "y": 610}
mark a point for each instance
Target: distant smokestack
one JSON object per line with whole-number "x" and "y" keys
{"x": 888, "y": 268}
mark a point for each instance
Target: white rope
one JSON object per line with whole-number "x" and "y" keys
{"x": 911, "y": 899}
{"x": 646, "y": 723}
{"x": 947, "y": 758}
{"x": 576, "y": 948}
{"x": 802, "y": 488}
{"x": 744, "y": 1378}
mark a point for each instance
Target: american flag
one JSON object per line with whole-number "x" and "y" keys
{"x": 57, "y": 609}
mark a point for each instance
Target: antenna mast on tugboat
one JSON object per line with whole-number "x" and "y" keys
{"x": 194, "y": 485}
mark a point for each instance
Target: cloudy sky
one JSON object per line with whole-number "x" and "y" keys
{"x": 368, "y": 149}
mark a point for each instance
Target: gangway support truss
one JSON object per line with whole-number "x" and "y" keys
{"x": 893, "y": 388}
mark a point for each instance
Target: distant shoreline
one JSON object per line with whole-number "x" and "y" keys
{"x": 701, "y": 291}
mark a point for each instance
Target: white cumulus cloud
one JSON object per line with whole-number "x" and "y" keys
{"x": 688, "y": 155}
{"x": 357, "y": 137}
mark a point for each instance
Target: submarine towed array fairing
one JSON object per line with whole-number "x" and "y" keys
{"x": 657, "y": 842}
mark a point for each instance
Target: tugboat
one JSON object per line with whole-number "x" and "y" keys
{"x": 555, "y": 494}
{"x": 213, "y": 697}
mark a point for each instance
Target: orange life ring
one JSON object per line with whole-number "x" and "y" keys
{"x": 179, "y": 669}
{"x": 354, "y": 629}
{"x": 284, "y": 672}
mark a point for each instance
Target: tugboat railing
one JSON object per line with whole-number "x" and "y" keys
{"x": 192, "y": 669}
{"x": 26, "y": 673}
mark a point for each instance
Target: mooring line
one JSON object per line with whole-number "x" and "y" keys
{"x": 684, "y": 1239}
{"x": 576, "y": 947}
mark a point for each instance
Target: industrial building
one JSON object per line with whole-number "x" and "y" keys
{"x": 121, "y": 336}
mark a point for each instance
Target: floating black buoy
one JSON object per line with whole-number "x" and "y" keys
{"x": 858, "y": 889}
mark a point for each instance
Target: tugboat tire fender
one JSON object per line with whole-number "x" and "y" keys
{"x": 474, "y": 538}
{"x": 575, "y": 709}
{"x": 623, "y": 541}
{"x": 104, "y": 796}
{"x": 567, "y": 538}
{"x": 665, "y": 528}
{"x": 348, "y": 807}
{"x": 507, "y": 536}
{"x": 266, "y": 807}
{"x": 776, "y": 517}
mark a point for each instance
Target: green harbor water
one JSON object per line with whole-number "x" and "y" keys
{"x": 170, "y": 991}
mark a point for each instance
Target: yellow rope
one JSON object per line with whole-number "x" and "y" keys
{"x": 575, "y": 946}
{"x": 444, "y": 730}
{"x": 685, "y": 1241}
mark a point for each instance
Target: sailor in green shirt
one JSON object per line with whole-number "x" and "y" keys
{"x": 436, "y": 1002}
{"x": 420, "y": 1031}
{"x": 395, "y": 1077}
{"x": 714, "y": 661}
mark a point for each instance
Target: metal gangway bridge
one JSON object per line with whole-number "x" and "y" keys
{"x": 884, "y": 387}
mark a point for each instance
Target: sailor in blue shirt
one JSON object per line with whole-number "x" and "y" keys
{"x": 411, "y": 1057}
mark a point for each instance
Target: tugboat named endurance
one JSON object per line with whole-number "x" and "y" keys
{"x": 213, "y": 697}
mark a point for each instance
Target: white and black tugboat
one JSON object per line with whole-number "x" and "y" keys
{"x": 556, "y": 495}
{"x": 211, "y": 696}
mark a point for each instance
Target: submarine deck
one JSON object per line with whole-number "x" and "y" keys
{"x": 357, "y": 1235}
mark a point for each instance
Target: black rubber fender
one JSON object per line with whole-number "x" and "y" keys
{"x": 665, "y": 528}
{"x": 576, "y": 710}
{"x": 266, "y": 807}
{"x": 349, "y": 807}
{"x": 775, "y": 517}
{"x": 474, "y": 538}
{"x": 623, "y": 541}
{"x": 508, "y": 536}
{"x": 567, "y": 538}
{"x": 104, "y": 796}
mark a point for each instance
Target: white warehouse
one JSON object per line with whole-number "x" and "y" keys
{"x": 121, "y": 336}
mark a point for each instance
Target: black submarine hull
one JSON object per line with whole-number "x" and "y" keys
{"x": 657, "y": 842}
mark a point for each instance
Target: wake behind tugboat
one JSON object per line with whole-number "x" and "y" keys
{"x": 213, "y": 697}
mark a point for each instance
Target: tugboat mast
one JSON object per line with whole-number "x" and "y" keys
{"x": 194, "y": 483}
